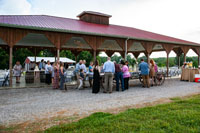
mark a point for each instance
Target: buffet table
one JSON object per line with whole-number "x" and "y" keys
{"x": 188, "y": 74}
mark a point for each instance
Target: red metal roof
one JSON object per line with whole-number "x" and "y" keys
{"x": 52, "y": 23}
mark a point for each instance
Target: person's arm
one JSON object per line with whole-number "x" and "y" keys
{"x": 140, "y": 67}
{"x": 123, "y": 69}
{"x": 91, "y": 69}
{"x": 104, "y": 66}
{"x": 61, "y": 69}
{"x": 46, "y": 68}
{"x": 85, "y": 69}
{"x": 113, "y": 68}
{"x": 14, "y": 67}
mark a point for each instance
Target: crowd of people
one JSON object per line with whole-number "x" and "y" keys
{"x": 54, "y": 72}
{"x": 98, "y": 76}
{"x": 106, "y": 72}
{"x": 112, "y": 70}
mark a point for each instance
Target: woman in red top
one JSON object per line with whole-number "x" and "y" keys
{"x": 126, "y": 75}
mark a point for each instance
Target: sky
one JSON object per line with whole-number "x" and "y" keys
{"x": 176, "y": 18}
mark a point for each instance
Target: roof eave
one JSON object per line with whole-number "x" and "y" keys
{"x": 90, "y": 33}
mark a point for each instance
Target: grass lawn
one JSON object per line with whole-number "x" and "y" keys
{"x": 179, "y": 116}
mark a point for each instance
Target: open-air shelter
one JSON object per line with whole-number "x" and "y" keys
{"x": 91, "y": 32}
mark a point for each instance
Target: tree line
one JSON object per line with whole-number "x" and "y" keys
{"x": 22, "y": 53}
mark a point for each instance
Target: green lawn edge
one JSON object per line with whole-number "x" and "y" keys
{"x": 182, "y": 115}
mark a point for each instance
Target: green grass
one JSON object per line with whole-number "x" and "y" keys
{"x": 182, "y": 116}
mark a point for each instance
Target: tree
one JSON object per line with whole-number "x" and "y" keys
{"x": 116, "y": 58}
{"x": 85, "y": 55}
{"x": 102, "y": 59}
{"x": 4, "y": 59}
{"x": 131, "y": 61}
{"x": 21, "y": 55}
{"x": 46, "y": 53}
{"x": 68, "y": 54}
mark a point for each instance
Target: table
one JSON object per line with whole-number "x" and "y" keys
{"x": 188, "y": 74}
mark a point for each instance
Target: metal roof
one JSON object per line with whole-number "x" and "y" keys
{"x": 52, "y": 23}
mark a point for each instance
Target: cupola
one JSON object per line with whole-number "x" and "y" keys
{"x": 94, "y": 17}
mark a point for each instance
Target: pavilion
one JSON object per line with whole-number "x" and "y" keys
{"x": 92, "y": 32}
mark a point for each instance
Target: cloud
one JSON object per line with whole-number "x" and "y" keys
{"x": 12, "y": 7}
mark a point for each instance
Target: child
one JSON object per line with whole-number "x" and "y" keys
{"x": 81, "y": 78}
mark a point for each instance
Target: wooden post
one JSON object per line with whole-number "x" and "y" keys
{"x": 125, "y": 53}
{"x": 167, "y": 64}
{"x": 58, "y": 54}
{"x": 148, "y": 58}
{"x": 10, "y": 64}
{"x": 35, "y": 55}
{"x": 76, "y": 58}
{"x": 94, "y": 54}
{"x": 184, "y": 57}
{"x": 178, "y": 61}
{"x": 185, "y": 49}
{"x": 198, "y": 60}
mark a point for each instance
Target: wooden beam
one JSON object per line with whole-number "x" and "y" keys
{"x": 178, "y": 61}
{"x": 129, "y": 44}
{"x": 94, "y": 41}
{"x": 168, "y": 47}
{"x": 196, "y": 50}
{"x": 10, "y": 64}
{"x": 148, "y": 46}
{"x": 184, "y": 57}
{"x": 198, "y": 60}
{"x": 185, "y": 49}
{"x": 122, "y": 53}
{"x": 58, "y": 54}
{"x": 121, "y": 43}
{"x": 54, "y": 38}
{"x": 99, "y": 41}
{"x": 90, "y": 40}
{"x": 167, "y": 63}
{"x": 94, "y": 55}
{"x": 148, "y": 58}
{"x": 11, "y": 36}
{"x": 109, "y": 53}
{"x": 136, "y": 54}
{"x": 64, "y": 38}
{"x": 178, "y": 51}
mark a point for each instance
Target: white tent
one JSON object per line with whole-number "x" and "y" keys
{"x": 51, "y": 59}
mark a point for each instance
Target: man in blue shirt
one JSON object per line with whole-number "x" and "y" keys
{"x": 144, "y": 68}
{"x": 78, "y": 66}
{"x": 83, "y": 66}
{"x": 109, "y": 69}
{"x": 42, "y": 65}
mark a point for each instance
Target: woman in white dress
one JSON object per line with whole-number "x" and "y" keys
{"x": 17, "y": 71}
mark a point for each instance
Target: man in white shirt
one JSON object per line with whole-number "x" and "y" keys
{"x": 48, "y": 71}
{"x": 109, "y": 69}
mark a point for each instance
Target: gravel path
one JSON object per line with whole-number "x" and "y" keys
{"x": 20, "y": 105}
